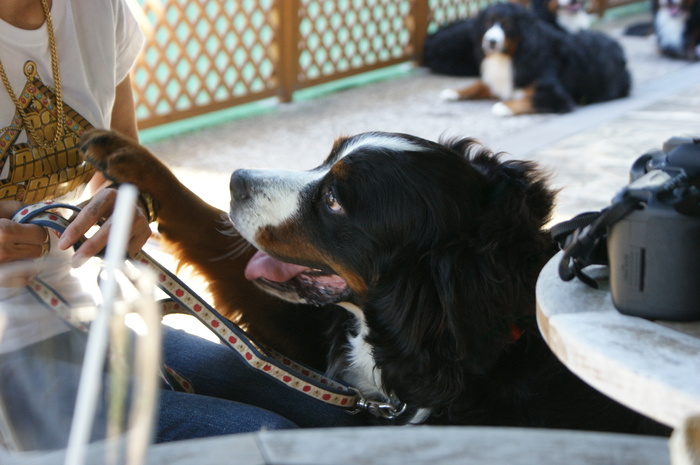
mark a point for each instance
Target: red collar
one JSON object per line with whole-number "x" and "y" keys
{"x": 515, "y": 333}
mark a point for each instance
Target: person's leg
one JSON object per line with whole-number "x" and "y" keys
{"x": 38, "y": 387}
{"x": 39, "y": 384}
{"x": 188, "y": 416}
{"x": 216, "y": 371}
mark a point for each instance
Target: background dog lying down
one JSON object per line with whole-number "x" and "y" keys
{"x": 532, "y": 66}
{"x": 423, "y": 257}
{"x": 455, "y": 48}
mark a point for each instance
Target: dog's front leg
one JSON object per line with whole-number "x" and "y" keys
{"x": 198, "y": 235}
{"x": 522, "y": 103}
{"x": 192, "y": 230}
{"x": 476, "y": 91}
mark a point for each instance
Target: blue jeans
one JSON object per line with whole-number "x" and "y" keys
{"x": 38, "y": 385}
{"x": 222, "y": 380}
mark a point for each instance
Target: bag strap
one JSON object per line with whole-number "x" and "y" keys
{"x": 583, "y": 239}
{"x": 42, "y": 214}
{"x": 264, "y": 359}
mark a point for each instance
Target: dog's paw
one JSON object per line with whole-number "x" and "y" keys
{"x": 449, "y": 95}
{"x": 118, "y": 157}
{"x": 501, "y": 109}
{"x": 100, "y": 146}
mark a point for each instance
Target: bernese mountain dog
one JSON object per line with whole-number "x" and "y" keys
{"x": 455, "y": 48}
{"x": 422, "y": 257}
{"x": 677, "y": 28}
{"x": 534, "y": 67}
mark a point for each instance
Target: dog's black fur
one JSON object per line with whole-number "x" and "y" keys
{"x": 454, "y": 49}
{"x": 441, "y": 248}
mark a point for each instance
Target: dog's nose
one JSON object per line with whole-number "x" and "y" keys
{"x": 239, "y": 185}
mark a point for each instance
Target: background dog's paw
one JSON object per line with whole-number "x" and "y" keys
{"x": 501, "y": 109}
{"x": 449, "y": 95}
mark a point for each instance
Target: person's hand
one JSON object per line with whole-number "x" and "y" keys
{"x": 96, "y": 209}
{"x": 19, "y": 241}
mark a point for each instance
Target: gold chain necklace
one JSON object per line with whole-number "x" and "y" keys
{"x": 60, "y": 127}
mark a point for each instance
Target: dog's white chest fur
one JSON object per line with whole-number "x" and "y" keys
{"x": 497, "y": 74}
{"x": 670, "y": 28}
{"x": 362, "y": 372}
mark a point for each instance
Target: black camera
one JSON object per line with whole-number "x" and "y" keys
{"x": 649, "y": 237}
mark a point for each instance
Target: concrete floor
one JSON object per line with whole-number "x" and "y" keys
{"x": 589, "y": 151}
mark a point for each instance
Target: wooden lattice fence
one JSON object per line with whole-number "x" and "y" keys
{"x": 206, "y": 55}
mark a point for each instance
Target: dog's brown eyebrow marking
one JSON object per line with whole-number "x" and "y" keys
{"x": 340, "y": 169}
{"x": 335, "y": 150}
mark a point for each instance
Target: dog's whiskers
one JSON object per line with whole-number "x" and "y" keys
{"x": 240, "y": 245}
{"x": 236, "y": 251}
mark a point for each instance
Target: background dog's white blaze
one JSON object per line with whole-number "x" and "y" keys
{"x": 494, "y": 39}
{"x": 670, "y": 28}
{"x": 574, "y": 21}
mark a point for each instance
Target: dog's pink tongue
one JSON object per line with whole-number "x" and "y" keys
{"x": 264, "y": 266}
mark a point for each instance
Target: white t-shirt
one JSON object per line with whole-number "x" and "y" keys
{"x": 97, "y": 42}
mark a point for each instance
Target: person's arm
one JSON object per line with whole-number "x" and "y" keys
{"x": 123, "y": 120}
{"x": 101, "y": 204}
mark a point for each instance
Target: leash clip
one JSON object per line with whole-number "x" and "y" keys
{"x": 386, "y": 410}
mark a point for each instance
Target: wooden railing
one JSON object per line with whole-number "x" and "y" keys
{"x": 206, "y": 55}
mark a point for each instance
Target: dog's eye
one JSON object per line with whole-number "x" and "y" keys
{"x": 332, "y": 201}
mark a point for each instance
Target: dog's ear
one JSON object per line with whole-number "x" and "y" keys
{"x": 429, "y": 329}
{"x": 519, "y": 194}
{"x": 445, "y": 314}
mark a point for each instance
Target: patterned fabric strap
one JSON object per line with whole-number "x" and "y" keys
{"x": 263, "y": 359}
{"x": 294, "y": 375}
{"x": 40, "y": 215}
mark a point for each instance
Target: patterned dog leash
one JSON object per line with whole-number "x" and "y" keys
{"x": 296, "y": 376}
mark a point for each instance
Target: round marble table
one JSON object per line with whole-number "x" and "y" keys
{"x": 652, "y": 367}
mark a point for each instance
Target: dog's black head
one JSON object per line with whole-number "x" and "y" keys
{"x": 504, "y": 26}
{"x": 439, "y": 244}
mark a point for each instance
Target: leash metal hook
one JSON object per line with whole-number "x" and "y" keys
{"x": 386, "y": 410}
